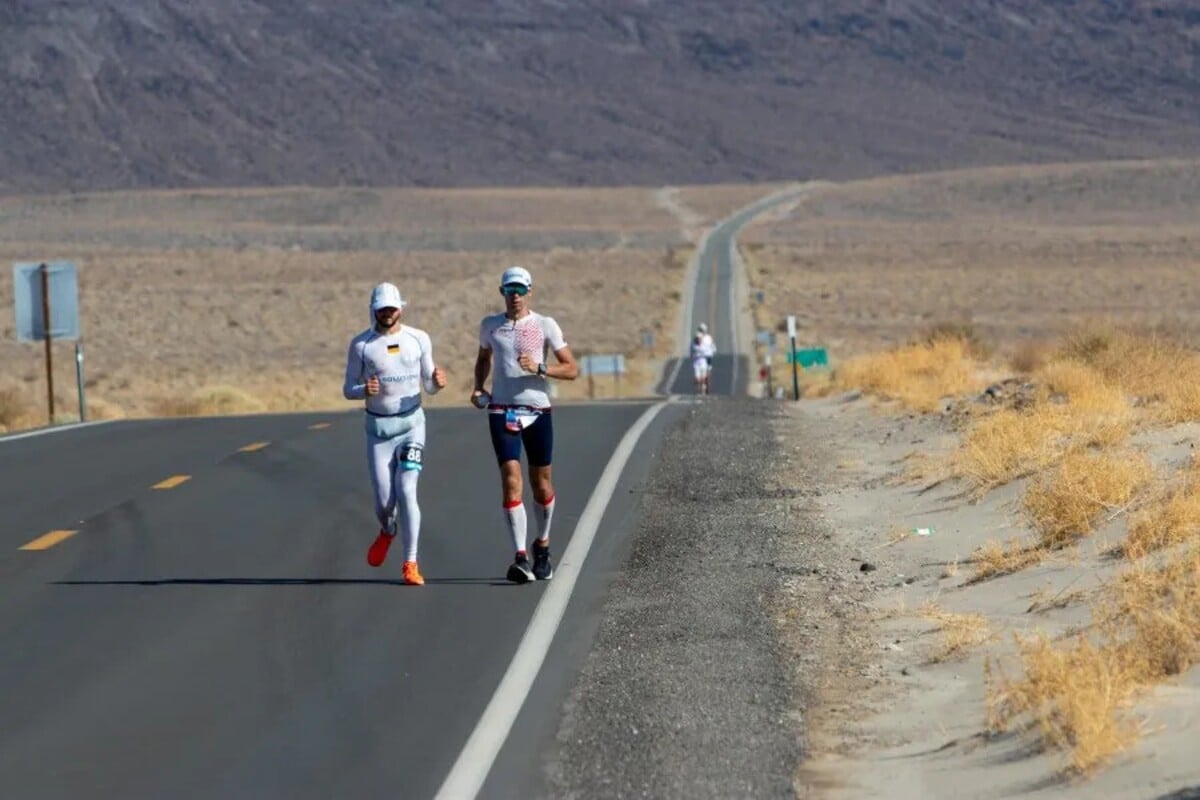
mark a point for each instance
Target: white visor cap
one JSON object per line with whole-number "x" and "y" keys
{"x": 386, "y": 295}
{"x": 516, "y": 275}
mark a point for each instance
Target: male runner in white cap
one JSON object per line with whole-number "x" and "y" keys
{"x": 518, "y": 342}
{"x": 387, "y": 365}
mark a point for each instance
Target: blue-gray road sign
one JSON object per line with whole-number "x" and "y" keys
{"x": 607, "y": 364}
{"x": 64, "y": 300}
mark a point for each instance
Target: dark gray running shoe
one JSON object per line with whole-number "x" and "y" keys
{"x": 520, "y": 572}
{"x": 543, "y": 568}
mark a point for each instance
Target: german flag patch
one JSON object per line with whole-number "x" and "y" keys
{"x": 393, "y": 348}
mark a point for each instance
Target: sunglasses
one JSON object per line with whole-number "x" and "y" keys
{"x": 514, "y": 288}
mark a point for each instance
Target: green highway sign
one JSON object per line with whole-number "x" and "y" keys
{"x": 811, "y": 357}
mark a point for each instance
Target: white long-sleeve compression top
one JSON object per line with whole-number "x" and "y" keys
{"x": 403, "y": 362}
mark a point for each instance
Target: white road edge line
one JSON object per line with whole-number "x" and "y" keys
{"x": 734, "y": 321}
{"x": 72, "y": 426}
{"x": 469, "y": 772}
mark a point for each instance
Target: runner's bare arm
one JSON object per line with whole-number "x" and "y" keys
{"x": 483, "y": 366}
{"x": 567, "y": 368}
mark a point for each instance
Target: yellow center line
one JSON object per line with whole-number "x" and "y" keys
{"x": 171, "y": 482}
{"x": 317, "y": 426}
{"x": 250, "y": 448}
{"x": 48, "y": 540}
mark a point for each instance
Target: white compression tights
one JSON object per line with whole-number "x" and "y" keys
{"x": 395, "y": 485}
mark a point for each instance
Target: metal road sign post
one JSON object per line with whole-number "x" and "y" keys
{"x": 791, "y": 331}
{"x": 46, "y": 300}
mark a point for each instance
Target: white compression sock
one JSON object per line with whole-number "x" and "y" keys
{"x": 409, "y": 511}
{"x": 544, "y": 514}
{"x": 515, "y": 517}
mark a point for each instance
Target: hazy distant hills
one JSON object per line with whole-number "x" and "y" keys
{"x": 147, "y": 93}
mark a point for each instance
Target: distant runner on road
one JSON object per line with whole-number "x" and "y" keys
{"x": 517, "y": 343}
{"x": 702, "y": 352}
{"x": 387, "y": 365}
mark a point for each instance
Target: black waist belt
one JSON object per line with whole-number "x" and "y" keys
{"x": 410, "y": 412}
{"x": 529, "y": 409}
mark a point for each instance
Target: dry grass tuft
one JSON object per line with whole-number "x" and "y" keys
{"x": 1073, "y": 696}
{"x": 1147, "y": 629}
{"x": 1045, "y": 600}
{"x": 994, "y": 558}
{"x": 960, "y": 632}
{"x": 918, "y": 375}
{"x": 1077, "y": 408}
{"x": 98, "y": 408}
{"x": 924, "y": 468}
{"x": 13, "y": 407}
{"x": 209, "y": 402}
{"x": 1166, "y": 524}
{"x": 1163, "y": 373}
{"x": 897, "y": 534}
{"x": 813, "y": 382}
{"x": 1029, "y": 356}
{"x": 1155, "y": 614}
{"x": 1082, "y": 386}
{"x": 1067, "y": 503}
{"x": 1083, "y": 401}
{"x": 1009, "y": 444}
{"x": 953, "y": 331}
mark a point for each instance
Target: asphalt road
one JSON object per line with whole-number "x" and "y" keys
{"x": 225, "y": 637}
{"x": 714, "y": 300}
{"x": 197, "y": 618}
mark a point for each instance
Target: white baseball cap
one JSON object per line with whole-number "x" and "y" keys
{"x": 386, "y": 295}
{"x": 516, "y": 275}
{"x": 702, "y": 327}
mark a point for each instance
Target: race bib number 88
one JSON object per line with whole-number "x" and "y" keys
{"x": 411, "y": 456}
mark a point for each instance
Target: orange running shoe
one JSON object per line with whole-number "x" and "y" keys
{"x": 412, "y": 575}
{"x": 379, "y": 548}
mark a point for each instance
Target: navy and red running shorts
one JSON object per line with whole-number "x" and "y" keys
{"x": 537, "y": 438}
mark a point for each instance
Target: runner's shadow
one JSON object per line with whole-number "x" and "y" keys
{"x": 280, "y": 582}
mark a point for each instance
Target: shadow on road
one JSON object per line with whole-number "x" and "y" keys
{"x": 281, "y": 582}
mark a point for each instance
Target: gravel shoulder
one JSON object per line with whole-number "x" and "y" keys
{"x": 725, "y": 624}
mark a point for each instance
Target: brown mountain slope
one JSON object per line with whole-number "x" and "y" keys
{"x": 137, "y": 93}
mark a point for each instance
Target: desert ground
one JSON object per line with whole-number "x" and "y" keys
{"x": 1010, "y": 602}
{"x": 199, "y": 302}
{"x": 1000, "y": 464}
{"x": 1020, "y": 254}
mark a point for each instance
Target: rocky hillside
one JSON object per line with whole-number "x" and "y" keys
{"x": 139, "y": 93}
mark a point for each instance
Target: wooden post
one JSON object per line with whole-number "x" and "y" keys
{"x": 45, "y": 270}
